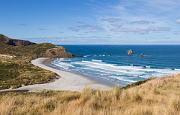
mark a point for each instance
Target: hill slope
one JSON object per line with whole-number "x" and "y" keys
{"x": 14, "y": 42}
{"x": 15, "y": 63}
{"x": 16, "y": 69}
{"x": 155, "y": 97}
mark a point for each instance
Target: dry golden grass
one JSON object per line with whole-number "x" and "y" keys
{"x": 155, "y": 97}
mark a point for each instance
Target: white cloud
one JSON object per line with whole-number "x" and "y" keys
{"x": 86, "y": 28}
{"x": 178, "y": 21}
{"x": 132, "y": 24}
{"x": 136, "y": 20}
{"x": 164, "y": 5}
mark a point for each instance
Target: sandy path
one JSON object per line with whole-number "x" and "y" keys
{"x": 67, "y": 81}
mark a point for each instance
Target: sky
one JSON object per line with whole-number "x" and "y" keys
{"x": 92, "y": 21}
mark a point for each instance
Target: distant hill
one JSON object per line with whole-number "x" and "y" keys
{"x": 14, "y": 42}
{"x": 29, "y": 51}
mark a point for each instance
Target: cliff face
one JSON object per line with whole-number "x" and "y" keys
{"x": 14, "y": 42}
{"x": 59, "y": 52}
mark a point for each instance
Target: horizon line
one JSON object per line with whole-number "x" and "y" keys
{"x": 117, "y": 44}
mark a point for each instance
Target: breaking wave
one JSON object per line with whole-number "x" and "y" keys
{"x": 118, "y": 74}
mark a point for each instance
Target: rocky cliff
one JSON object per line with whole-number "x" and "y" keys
{"x": 58, "y": 52}
{"x": 14, "y": 42}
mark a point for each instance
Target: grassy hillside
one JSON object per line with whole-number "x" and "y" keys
{"x": 16, "y": 69}
{"x": 155, "y": 97}
{"x": 29, "y": 51}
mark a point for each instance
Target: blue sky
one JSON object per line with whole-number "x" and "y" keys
{"x": 92, "y": 21}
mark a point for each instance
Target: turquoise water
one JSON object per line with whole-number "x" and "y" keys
{"x": 111, "y": 62}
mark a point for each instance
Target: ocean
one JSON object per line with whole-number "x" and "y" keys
{"x": 112, "y": 64}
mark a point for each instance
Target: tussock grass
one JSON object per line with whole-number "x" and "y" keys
{"x": 155, "y": 97}
{"x": 14, "y": 74}
{"x": 16, "y": 69}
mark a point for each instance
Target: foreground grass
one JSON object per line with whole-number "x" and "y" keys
{"x": 16, "y": 69}
{"x": 155, "y": 97}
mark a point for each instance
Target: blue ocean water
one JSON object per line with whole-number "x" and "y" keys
{"x": 111, "y": 62}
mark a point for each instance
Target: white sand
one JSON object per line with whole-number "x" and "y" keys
{"x": 67, "y": 81}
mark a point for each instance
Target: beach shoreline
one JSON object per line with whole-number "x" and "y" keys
{"x": 65, "y": 81}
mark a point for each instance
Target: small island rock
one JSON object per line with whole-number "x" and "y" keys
{"x": 141, "y": 55}
{"x": 130, "y": 52}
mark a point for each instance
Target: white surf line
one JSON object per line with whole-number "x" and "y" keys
{"x": 66, "y": 81}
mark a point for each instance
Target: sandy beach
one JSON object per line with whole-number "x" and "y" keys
{"x": 66, "y": 80}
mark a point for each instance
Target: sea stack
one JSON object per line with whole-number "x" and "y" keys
{"x": 130, "y": 52}
{"x": 141, "y": 55}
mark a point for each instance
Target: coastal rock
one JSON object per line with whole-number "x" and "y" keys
{"x": 130, "y": 52}
{"x": 59, "y": 52}
{"x": 141, "y": 55}
{"x": 14, "y": 42}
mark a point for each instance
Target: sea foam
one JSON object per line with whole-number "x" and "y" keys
{"x": 112, "y": 72}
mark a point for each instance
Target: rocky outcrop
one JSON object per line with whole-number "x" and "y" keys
{"x": 14, "y": 42}
{"x": 58, "y": 52}
{"x": 130, "y": 52}
{"x": 141, "y": 55}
